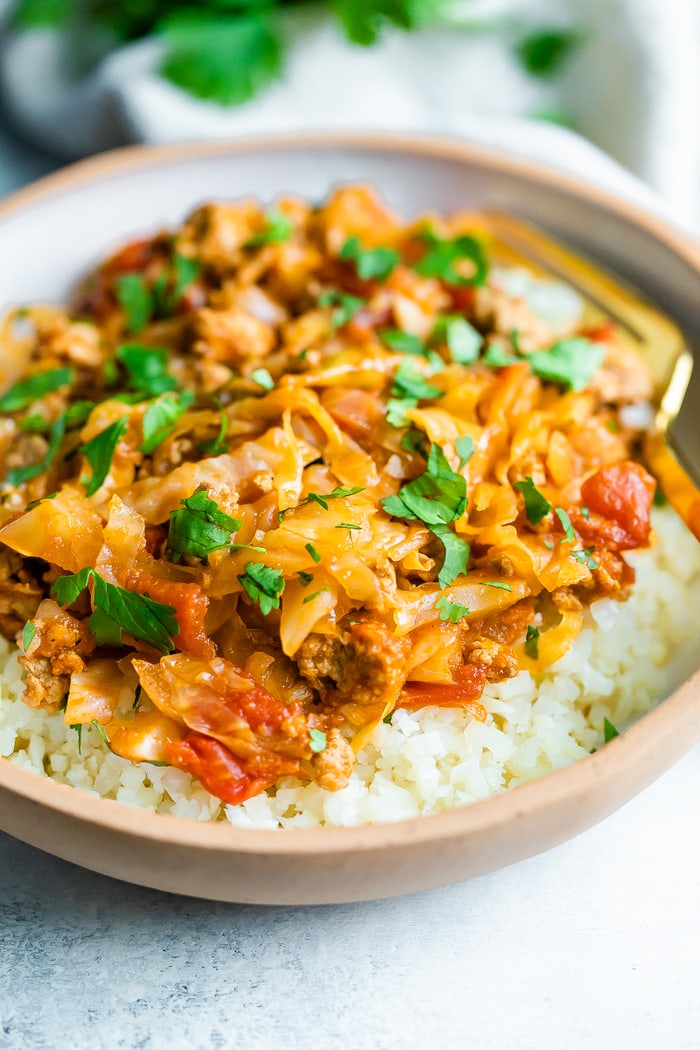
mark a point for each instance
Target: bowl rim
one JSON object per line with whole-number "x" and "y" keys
{"x": 658, "y": 729}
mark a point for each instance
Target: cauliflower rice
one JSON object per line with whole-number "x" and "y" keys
{"x": 628, "y": 657}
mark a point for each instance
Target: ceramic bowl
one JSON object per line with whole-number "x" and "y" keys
{"x": 52, "y": 231}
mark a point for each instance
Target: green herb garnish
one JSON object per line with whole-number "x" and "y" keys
{"x": 278, "y": 229}
{"x": 501, "y": 584}
{"x": 317, "y": 740}
{"x": 444, "y": 259}
{"x": 497, "y": 357}
{"x": 310, "y": 549}
{"x": 217, "y": 446}
{"x": 117, "y": 610}
{"x": 465, "y": 449}
{"x": 569, "y": 534}
{"x": 452, "y": 611}
{"x": 344, "y": 306}
{"x": 28, "y": 634}
{"x": 463, "y": 341}
{"x": 585, "y": 557}
{"x": 305, "y": 578}
{"x": 21, "y": 474}
{"x": 262, "y": 585}
{"x": 544, "y": 51}
{"x": 410, "y": 383}
{"x": 262, "y": 377}
{"x": 369, "y": 262}
{"x": 136, "y": 300}
{"x": 310, "y": 597}
{"x": 571, "y": 363}
{"x": 146, "y": 367}
{"x": 532, "y": 637}
{"x": 403, "y": 342}
{"x": 609, "y": 731}
{"x": 26, "y": 391}
{"x": 198, "y": 527}
{"x": 161, "y": 418}
{"x": 99, "y": 452}
{"x": 536, "y": 505}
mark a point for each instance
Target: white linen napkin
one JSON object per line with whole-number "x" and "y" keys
{"x": 632, "y": 87}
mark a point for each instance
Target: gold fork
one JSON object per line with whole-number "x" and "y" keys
{"x": 642, "y": 327}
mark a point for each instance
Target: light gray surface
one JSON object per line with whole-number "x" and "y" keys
{"x": 592, "y": 945}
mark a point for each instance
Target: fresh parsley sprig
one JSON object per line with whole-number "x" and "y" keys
{"x": 445, "y": 259}
{"x": 370, "y": 263}
{"x": 198, "y": 527}
{"x": 161, "y": 419}
{"x": 116, "y": 609}
{"x": 99, "y": 452}
{"x": 25, "y": 391}
{"x": 263, "y": 585}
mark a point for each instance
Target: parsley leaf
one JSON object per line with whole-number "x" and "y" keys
{"x": 117, "y": 610}
{"x": 370, "y": 262}
{"x": 465, "y": 448}
{"x": 409, "y": 382}
{"x": 262, "y": 377}
{"x": 262, "y": 585}
{"x": 364, "y": 19}
{"x": 457, "y": 553}
{"x": 543, "y": 52}
{"x": 536, "y": 505}
{"x": 571, "y": 363}
{"x": 497, "y": 357}
{"x": 451, "y": 611}
{"x": 501, "y": 584}
{"x": 28, "y": 390}
{"x": 136, "y": 300}
{"x": 278, "y": 229}
{"x": 310, "y": 549}
{"x": 403, "y": 342}
{"x": 532, "y": 642}
{"x": 161, "y": 418}
{"x": 585, "y": 557}
{"x": 305, "y": 578}
{"x": 396, "y": 409}
{"x": 444, "y": 259}
{"x": 215, "y": 57}
{"x": 28, "y": 634}
{"x": 569, "y": 534}
{"x": 99, "y": 452}
{"x": 436, "y": 497}
{"x": 198, "y": 527}
{"x": 463, "y": 341}
{"x": 345, "y": 306}
{"x": 337, "y": 493}
{"x": 217, "y": 446}
{"x": 350, "y": 526}
{"x": 147, "y": 368}
{"x": 317, "y": 740}
{"x": 21, "y": 474}
{"x": 31, "y": 14}
{"x": 609, "y": 731}
{"x": 310, "y": 597}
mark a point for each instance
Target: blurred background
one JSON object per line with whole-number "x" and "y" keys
{"x": 80, "y": 76}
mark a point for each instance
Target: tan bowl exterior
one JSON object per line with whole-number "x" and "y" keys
{"x": 332, "y": 865}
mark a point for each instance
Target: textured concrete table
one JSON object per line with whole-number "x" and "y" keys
{"x": 593, "y": 945}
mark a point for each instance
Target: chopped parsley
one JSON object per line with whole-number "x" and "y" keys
{"x": 198, "y": 527}
{"x": 146, "y": 367}
{"x": 571, "y": 363}
{"x": 452, "y": 611}
{"x": 569, "y": 534}
{"x": 322, "y": 497}
{"x": 536, "y": 505}
{"x": 585, "y": 557}
{"x": 305, "y": 578}
{"x": 532, "y": 637}
{"x": 409, "y": 382}
{"x": 609, "y": 731}
{"x": 585, "y": 513}
{"x": 437, "y": 497}
{"x": 317, "y": 740}
{"x": 310, "y": 597}
{"x": 370, "y": 262}
{"x": 263, "y": 585}
{"x": 136, "y": 300}
{"x": 262, "y": 377}
{"x": 309, "y": 547}
{"x": 463, "y": 340}
{"x": 501, "y": 584}
{"x": 465, "y": 449}
{"x": 161, "y": 418}
{"x": 278, "y": 229}
{"x": 543, "y": 52}
{"x": 99, "y": 452}
{"x": 349, "y": 525}
{"x": 78, "y": 727}
{"x": 117, "y": 610}
{"x": 25, "y": 391}
{"x": 416, "y": 442}
{"x": 344, "y": 306}
{"x": 660, "y": 499}
{"x": 444, "y": 259}
{"x": 28, "y": 634}
{"x": 403, "y": 342}
{"x": 497, "y": 357}
{"x": 217, "y": 446}
{"x": 19, "y": 475}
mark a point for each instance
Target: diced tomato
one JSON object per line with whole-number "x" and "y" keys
{"x": 219, "y": 771}
{"x": 469, "y": 685}
{"x": 463, "y": 297}
{"x": 600, "y": 333}
{"x": 621, "y": 496}
{"x": 190, "y": 606}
